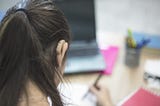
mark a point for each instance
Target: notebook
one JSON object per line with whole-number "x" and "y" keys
{"x": 110, "y": 56}
{"x": 143, "y": 97}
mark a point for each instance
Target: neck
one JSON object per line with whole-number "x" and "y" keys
{"x": 32, "y": 94}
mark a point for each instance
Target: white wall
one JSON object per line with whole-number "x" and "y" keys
{"x": 5, "y": 4}
{"x": 118, "y": 15}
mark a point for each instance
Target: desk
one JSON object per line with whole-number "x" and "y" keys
{"x": 123, "y": 80}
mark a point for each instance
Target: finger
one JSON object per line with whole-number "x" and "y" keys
{"x": 99, "y": 86}
{"x": 94, "y": 90}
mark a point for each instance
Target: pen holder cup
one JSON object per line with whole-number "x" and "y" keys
{"x": 132, "y": 57}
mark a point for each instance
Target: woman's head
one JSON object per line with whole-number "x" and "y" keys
{"x": 34, "y": 38}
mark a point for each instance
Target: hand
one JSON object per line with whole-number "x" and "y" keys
{"x": 102, "y": 94}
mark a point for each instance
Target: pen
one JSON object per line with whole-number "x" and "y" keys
{"x": 143, "y": 43}
{"x": 95, "y": 84}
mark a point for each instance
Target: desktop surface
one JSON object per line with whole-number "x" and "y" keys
{"x": 123, "y": 80}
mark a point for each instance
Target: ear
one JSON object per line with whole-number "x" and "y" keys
{"x": 61, "y": 50}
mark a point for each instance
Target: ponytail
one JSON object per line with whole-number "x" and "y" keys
{"x": 15, "y": 51}
{"x": 21, "y": 59}
{"x": 28, "y": 41}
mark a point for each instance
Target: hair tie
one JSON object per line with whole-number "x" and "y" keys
{"x": 22, "y": 9}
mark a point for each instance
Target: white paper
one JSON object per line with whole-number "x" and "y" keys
{"x": 73, "y": 93}
{"x": 153, "y": 67}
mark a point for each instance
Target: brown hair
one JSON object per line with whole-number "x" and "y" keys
{"x": 28, "y": 39}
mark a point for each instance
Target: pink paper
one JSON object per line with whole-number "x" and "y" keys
{"x": 110, "y": 56}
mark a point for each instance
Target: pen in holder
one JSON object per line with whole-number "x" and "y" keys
{"x": 133, "y": 49}
{"x": 132, "y": 57}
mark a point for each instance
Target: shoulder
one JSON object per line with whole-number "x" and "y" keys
{"x": 35, "y": 102}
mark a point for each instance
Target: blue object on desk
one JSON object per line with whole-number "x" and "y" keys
{"x": 142, "y": 43}
{"x": 154, "y": 39}
{"x": 2, "y": 13}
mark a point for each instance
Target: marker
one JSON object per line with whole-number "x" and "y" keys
{"x": 130, "y": 40}
{"x": 95, "y": 84}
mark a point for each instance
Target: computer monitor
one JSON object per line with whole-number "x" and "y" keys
{"x": 81, "y": 17}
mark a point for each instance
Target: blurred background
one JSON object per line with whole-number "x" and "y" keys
{"x": 129, "y": 69}
{"x": 118, "y": 15}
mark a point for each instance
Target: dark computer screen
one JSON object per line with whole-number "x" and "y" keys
{"x": 81, "y": 17}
